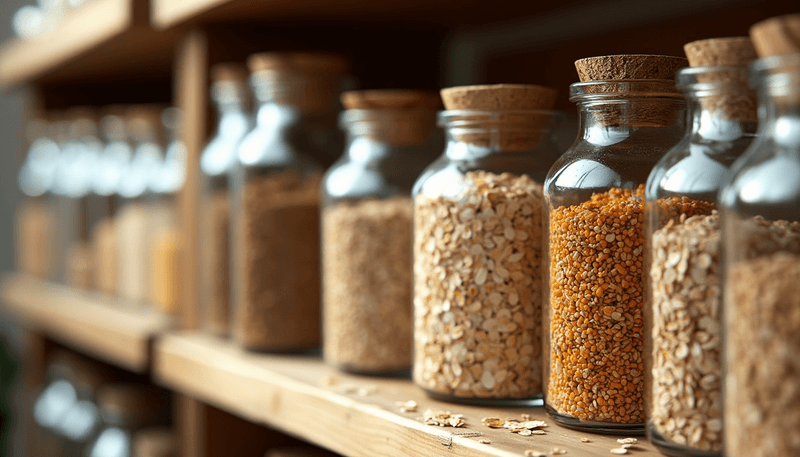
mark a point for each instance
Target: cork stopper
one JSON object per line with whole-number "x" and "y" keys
{"x": 735, "y": 100}
{"x": 777, "y": 36}
{"x": 130, "y": 403}
{"x": 644, "y": 109}
{"x": 397, "y": 117}
{"x": 308, "y": 82}
{"x": 143, "y": 122}
{"x": 521, "y": 116}
{"x": 155, "y": 442}
{"x": 716, "y": 52}
{"x": 229, "y": 71}
{"x": 628, "y": 66}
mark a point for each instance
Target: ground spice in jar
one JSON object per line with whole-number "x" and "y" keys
{"x": 217, "y": 220}
{"x": 763, "y": 370}
{"x": 685, "y": 276}
{"x": 367, "y": 284}
{"x": 35, "y": 231}
{"x": 596, "y": 304}
{"x": 478, "y": 288}
{"x": 278, "y": 305}
{"x": 79, "y": 262}
{"x": 165, "y": 270}
{"x": 105, "y": 256}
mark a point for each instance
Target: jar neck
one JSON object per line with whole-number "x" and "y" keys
{"x": 383, "y": 129}
{"x": 229, "y": 97}
{"x": 307, "y": 94}
{"x": 475, "y": 134}
{"x": 778, "y": 83}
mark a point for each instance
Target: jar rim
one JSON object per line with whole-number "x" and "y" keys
{"x": 455, "y": 118}
{"x": 777, "y": 72}
{"x": 624, "y": 89}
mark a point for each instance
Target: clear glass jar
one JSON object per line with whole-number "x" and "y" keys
{"x": 477, "y": 257}
{"x": 139, "y": 213}
{"x": 124, "y": 410}
{"x": 684, "y": 293}
{"x": 275, "y": 201}
{"x": 36, "y": 223}
{"x": 53, "y": 402}
{"x": 760, "y": 212}
{"x": 366, "y": 237}
{"x": 231, "y": 96}
{"x": 594, "y": 328}
{"x": 112, "y": 165}
{"x": 81, "y": 422}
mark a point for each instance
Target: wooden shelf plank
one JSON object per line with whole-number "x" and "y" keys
{"x": 95, "y": 324}
{"x": 294, "y": 394}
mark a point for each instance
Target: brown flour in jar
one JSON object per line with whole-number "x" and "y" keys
{"x": 278, "y": 266}
{"x": 367, "y": 284}
{"x": 217, "y": 262}
{"x": 478, "y": 289}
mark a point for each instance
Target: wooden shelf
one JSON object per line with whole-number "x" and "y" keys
{"x": 92, "y": 323}
{"x": 294, "y": 394}
{"x": 99, "y": 39}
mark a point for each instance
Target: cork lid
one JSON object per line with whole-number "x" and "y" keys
{"x": 715, "y": 52}
{"x": 155, "y": 442}
{"x": 499, "y": 97}
{"x": 777, "y": 35}
{"x": 628, "y": 66}
{"x": 392, "y": 99}
{"x": 299, "y": 62}
{"x": 229, "y": 71}
{"x": 130, "y": 403}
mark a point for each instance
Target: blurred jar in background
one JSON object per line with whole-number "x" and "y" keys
{"x": 125, "y": 409}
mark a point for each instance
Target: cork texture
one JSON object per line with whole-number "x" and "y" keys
{"x": 499, "y": 97}
{"x": 735, "y": 100}
{"x": 629, "y": 66}
{"x": 777, "y": 36}
{"x": 229, "y": 71}
{"x": 398, "y": 117}
{"x": 392, "y": 100}
{"x": 715, "y": 52}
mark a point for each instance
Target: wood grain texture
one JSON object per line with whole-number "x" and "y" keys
{"x": 289, "y": 393}
{"x": 98, "y": 325}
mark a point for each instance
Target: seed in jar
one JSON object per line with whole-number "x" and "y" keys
{"x": 596, "y": 305}
{"x": 477, "y": 289}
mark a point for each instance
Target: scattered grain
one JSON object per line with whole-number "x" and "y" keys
{"x": 484, "y": 441}
{"x": 619, "y": 451}
{"x": 558, "y": 451}
{"x": 409, "y": 406}
{"x": 535, "y": 453}
{"x": 585, "y": 440}
{"x": 443, "y": 418}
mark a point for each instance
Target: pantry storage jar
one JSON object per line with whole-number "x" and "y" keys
{"x": 366, "y": 228}
{"x": 477, "y": 246}
{"x": 761, "y": 251}
{"x": 230, "y": 94}
{"x": 124, "y": 410}
{"x": 52, "y": 403}
{"x": 683, "y": 303}
{"x": 275, "y": 200}
{"x": 630, "y": 115}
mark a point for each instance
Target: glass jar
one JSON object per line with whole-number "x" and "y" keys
{"x": 36, "y": 217}
{"x": 683, "y": 301}
{"x": 124, "y": 410}
{"x": 81, "y": 422}
{"x": 113, "y": 164}
{"x": 275, "y": 201}
{"x": 366, "y": 230}
{"x": 760, "y": 212}
{"x": 477, "y": 250}
{"x": 138, "y": 213}
{"x": 155, "y": 442}
{"x": 594, "y": 328}
{"x": 52, "y": 404}
{"x": 230, "y": 94}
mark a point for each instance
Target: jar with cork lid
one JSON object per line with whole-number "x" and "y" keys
{"x": 366, "y": 228}
{"x": 477, "y": 246}
{"x": 630, "y": 115}
{"x": 275, "y": 200}
{"x": 760, "y": 213}
{"x": 125, "y": 409}
{"x": 231, "y": 96}
{"x": 683, "y": 302}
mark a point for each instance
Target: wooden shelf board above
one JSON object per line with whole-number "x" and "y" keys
{"x": 92, "y": 323}
{"x": 101, "y": 38}
{"x": 295, "y": 394}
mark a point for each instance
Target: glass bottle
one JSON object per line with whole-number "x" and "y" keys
{"x": 477, "y": 246}
{"x": 275, "y": 201}
{"x": 683, "y": 301}
{"x": 113, "y": 163}
{"x": 760, "y": 212}
{"x": 594, "y": 328}
{"x": 231, "y": 96}
{"x": 138, "y": 213}
{"x": 35, "y": 219}
{"x": 124, "y": 410}
{"x": 366, "y": 228}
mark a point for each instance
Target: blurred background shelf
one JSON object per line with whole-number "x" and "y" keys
{"x": 100, "y": 326}
{"x": 100, "y": 39}
{"x": 351, "y": 415}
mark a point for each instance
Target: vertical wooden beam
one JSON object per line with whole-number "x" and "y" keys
{"x": 191, "y": 90}
{"x": 34, "y": 366}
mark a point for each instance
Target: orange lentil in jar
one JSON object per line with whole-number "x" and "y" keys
{"x": 596, "y": 305}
